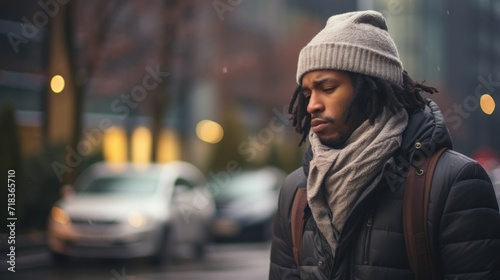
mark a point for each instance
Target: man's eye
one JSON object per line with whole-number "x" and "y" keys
{"x": 330, "y": 89}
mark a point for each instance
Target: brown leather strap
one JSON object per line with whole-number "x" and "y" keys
{"x": 415, "y": 211}
{"x": 297, "y": 222}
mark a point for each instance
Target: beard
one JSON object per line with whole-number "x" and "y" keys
{"x": 334, "y": 142}
{"x": 339, "y": 140}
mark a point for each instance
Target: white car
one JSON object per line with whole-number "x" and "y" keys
{"x": 128, "y": 211}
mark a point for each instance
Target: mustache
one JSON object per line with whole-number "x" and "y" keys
{"x": 323, "y": 118}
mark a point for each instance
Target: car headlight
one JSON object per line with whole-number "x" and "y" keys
{"x": 59, "y": 215}
{"x": 136, "y": 219}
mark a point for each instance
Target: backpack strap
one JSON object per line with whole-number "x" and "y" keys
{"x": 297, "y": 222}
{"x": 415, "y": 210}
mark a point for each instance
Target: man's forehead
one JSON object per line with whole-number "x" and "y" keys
{"x": 318, "y": 77}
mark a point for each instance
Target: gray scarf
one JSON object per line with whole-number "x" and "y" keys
{"x": 338, "y": 176}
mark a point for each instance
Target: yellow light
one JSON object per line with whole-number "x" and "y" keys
{"x": 169, "y": 147}
{"x": 136, "y": 219}
{"x": 115, "y": 145}
{"x": 141, "y": 145}
{"x": 57, "y": 83}
{"x": 487, "y": 104}
{"x": 209, "y": 131}
{"x": 59, "y": 215}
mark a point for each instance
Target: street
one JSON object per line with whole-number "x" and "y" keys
{"x": 223, "y": 261}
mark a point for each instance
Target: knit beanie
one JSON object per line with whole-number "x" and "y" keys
{"x": 356, "y": 42}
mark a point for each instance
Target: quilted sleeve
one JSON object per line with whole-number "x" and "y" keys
{"x": 469, "y": 235}
{"x": 282, "y": 262}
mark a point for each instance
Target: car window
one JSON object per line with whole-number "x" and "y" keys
{"x": 121, "y": 185}
{"x": 182, "y": 182}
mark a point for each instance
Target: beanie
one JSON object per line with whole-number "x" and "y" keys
{"x": 356, "y": 42}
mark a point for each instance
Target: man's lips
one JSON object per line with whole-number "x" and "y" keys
{"x": 318, "y": 125}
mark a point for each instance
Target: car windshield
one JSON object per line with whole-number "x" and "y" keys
{"x": 121, "y": 185}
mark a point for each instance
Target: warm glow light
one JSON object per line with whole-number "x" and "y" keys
{"x": 209, "y": 131}
{"x": 57, "y": 83}
{"x": 487, "y": 104}
{"x": 115, "y": 145}
{"x": 141, "y": 145}
{"x": 59, "y": 216}
{"x": 169, "y": 147}
{"x": 136, "y": 219}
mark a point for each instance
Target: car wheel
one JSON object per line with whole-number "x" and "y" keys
{"x": 200, "y": 250}
{"x": 165, "y": 253}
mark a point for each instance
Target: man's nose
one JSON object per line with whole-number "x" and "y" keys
{"x": 315, "y": 104}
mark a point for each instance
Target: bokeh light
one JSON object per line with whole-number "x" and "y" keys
{"x": 136, "y": 219}
{"x": 141, "y": 145}
{"x": 169, "y": 147}
{"x": 115, "y": 145}
{"x": 209, "y": 131}
{"x": 57, "y": 84}
{"x": 487, "y": 104}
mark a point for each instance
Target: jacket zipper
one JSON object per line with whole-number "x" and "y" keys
{"x": 343, "y": 236}
{"x": 368, "y": 234}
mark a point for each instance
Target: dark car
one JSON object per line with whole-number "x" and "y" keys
{"x": 245, "y": 206}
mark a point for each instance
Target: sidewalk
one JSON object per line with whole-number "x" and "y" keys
{"x": 30, "y": 251}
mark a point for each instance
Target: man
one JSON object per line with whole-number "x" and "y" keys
{"x": 367, "y": 125}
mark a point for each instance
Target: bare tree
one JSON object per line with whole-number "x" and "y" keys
{"x": 111, "y": 43}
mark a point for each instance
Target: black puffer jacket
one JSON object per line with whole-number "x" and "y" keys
{"x": 463, "y": 220}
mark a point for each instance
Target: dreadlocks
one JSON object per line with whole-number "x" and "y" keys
{"x": 371, "y": 95}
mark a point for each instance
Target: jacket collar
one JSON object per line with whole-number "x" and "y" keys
{"x": 428, "y": 128}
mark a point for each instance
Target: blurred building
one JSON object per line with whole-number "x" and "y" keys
{"x": 236, "y": 66}
{"x": 252, "y": 54}
{"x": 472, "y": 53}
{"x": 22, "y": 71}
{"x": 454, "y": 46}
